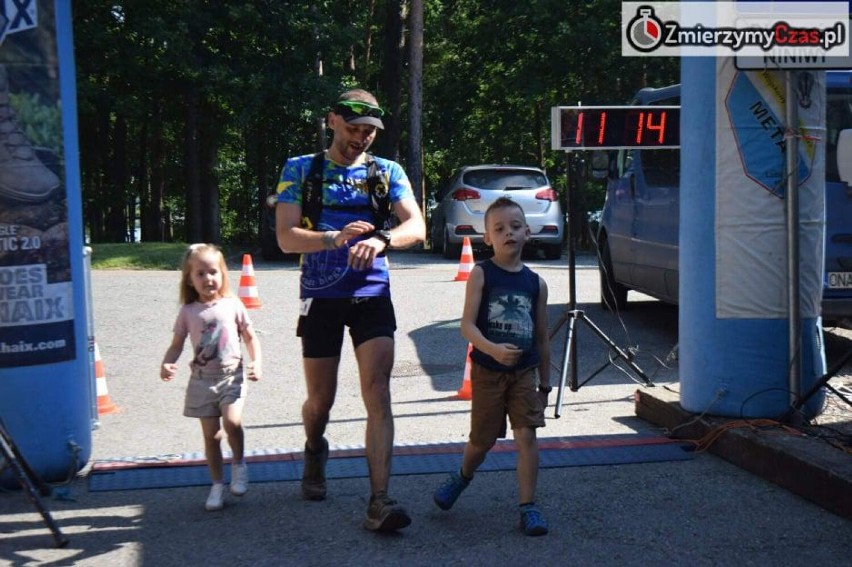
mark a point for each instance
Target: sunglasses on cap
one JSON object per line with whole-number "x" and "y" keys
{"x": 356, "y": 107}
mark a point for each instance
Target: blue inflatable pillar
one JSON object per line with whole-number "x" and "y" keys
{"x": 734, "y": 353}
{"x": 45, "y": 390}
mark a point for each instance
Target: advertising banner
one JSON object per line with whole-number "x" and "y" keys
{"x": 751, "y": 181}
{"x": 36, "y": 303}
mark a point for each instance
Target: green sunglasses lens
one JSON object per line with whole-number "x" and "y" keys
{"x": 362, "y": 108}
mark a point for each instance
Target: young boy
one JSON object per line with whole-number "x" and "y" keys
{"x": 505, "y": 319}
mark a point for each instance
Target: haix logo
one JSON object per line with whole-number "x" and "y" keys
{"x": 17, "y": 16}
{"x": 645, "y": 31}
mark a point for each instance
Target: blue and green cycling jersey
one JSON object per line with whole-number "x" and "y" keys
{"x": 345, "y": 199}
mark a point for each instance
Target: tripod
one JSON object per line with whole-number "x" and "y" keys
{"x": 29, "y": 481}
{"x": 822, "y": 382}
{"x": 572, "y": 314}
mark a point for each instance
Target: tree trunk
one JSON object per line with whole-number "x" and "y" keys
{"x": 392, "y": 77}
{"x": 368, "y": 43}
{"x": 116, "y": 219}
{"x": 318, "y": 69}
{"x": 154, "y": 225}
{"x": 192, "y": 228}
{"x": 415, "y": 100}
{"x": 255, "y": 142}
{"x": 542, "y": 134}
{"x": 100, "y": 202}
{"x": 211, "y": 229}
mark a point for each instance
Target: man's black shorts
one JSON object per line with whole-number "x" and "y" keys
{"x": 321, "y": 323}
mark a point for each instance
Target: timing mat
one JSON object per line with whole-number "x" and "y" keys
{"x": 170, "y": 471}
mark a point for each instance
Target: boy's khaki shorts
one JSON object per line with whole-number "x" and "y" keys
{"x": 496, "y": 394}
{"x": 206, "y": 394}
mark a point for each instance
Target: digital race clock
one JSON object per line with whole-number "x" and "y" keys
{"x": 614, "y": 127}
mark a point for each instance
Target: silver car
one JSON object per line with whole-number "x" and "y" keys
{"x": 461, "y": 205}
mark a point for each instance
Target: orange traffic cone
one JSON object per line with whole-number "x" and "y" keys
{"x": 465, "y": 392}
{"x": 248, "y": 289}
{"x": 466, "y": 261}
{"x": 105, "y": 403}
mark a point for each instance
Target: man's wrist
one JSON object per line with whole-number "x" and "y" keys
{"x": 329, "y": 239}
{"x": 545, "y": 389}
{"x": 384, "y": 236}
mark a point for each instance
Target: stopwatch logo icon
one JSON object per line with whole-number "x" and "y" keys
{"x": 645, "y": 31}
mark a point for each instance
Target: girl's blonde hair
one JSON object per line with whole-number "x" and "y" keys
{"x": 187, "y": 291}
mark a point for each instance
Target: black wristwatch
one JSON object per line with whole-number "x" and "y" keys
{"x": 545, "y": 389}
{"x": 384, "y": 236}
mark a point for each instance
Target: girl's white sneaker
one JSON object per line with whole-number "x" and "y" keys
{"x": 239, "y": 479}
{"x": 216, "y": 499}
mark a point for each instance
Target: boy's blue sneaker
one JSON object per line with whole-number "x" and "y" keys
{"x": 447, "y": 494}
{"x": 532, "y": 522}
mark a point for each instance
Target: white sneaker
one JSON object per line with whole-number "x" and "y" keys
{"x": 216, "y": 499}
{"x": 239, "y": 479}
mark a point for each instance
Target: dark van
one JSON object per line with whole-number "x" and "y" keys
{"x": 638, "y": 235}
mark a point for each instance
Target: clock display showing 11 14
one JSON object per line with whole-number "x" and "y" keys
{"x": 614, "y": 127}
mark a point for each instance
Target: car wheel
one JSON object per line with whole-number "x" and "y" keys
{"x": 552, "y": 251}
{"x": 613, "y": 294}
{"x": 449, "y": 249}
{"x": 434, "y": 245}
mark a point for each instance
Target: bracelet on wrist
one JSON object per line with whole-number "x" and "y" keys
{"x": 384, "y": 236}
{"x": 328, "y": 239}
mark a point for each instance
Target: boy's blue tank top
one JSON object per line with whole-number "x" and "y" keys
{"x": 507, "y": 314}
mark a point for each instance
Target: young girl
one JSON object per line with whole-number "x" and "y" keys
{"x": 215, "y": 321}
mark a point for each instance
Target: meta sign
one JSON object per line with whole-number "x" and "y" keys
{"x": 614, "y": 127}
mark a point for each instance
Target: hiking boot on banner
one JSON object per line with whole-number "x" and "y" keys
{"x": 23, "y": 176}
{"x": 313, "y": 474}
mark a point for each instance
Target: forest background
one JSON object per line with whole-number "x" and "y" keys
{"x": 188, "y": 108}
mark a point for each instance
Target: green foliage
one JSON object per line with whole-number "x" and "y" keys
{"x": 138, "y": 256}
{"x": 42, "y": 122}
{"x": 148, "y": 255}
{"x": 248, "y": 70}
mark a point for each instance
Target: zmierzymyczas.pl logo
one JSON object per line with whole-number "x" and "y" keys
{"x": 683, "y": 29}
{"x": 645, "y": 31}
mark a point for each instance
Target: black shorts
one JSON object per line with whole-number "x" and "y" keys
{"x": 321, "y": 326}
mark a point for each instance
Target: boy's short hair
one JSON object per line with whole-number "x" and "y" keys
{"x": 503, "y": 203}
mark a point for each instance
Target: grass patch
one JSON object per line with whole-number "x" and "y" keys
{"x": 144, "y": 255}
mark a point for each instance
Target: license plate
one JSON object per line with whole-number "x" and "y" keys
{"x": 840, "y": 280}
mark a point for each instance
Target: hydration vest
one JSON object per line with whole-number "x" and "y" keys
{"x": 377, "y": 190}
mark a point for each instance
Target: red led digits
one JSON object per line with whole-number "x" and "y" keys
{"x": 646, "y": 122}
{"x": 660, "y": 127}
{"x": 615, "y": 127}
{"x": 578, "y": 138}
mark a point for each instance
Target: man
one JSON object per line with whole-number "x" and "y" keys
{"x": 335, "y": 210}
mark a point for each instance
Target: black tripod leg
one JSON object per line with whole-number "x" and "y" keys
{"x": 26, "y": 481}
{"x": 838, "y": 394}
{"x": 823, "y": 381}
{"x": 592, "y": 375}
{"x": 621, "y": 354}
{"x": 43, "y": 489}
{"x": 566, "y": 358}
